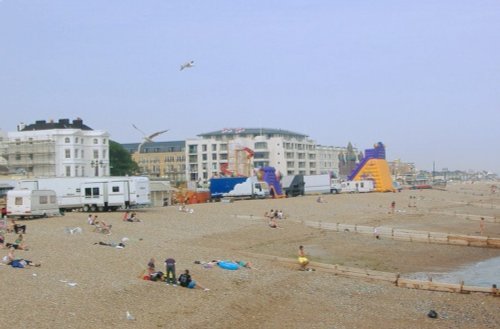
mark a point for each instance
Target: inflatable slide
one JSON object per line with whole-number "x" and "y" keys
{"x": 374, "y": 167}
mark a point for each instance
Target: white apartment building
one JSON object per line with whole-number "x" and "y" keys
{"x": 58, "y": 149}
{"x": 240, "y": 150}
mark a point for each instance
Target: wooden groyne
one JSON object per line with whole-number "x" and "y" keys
{"x": 409, "y": 235}
{"x": 394, "y": 278}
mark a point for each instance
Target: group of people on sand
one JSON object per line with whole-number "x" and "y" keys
{"x": 274, "y": 216}
{"x": 185, "y": 279}
{"x": 18, "y": 244}
{"x": 100, "y": 226}
{"x": 130, "y": 217}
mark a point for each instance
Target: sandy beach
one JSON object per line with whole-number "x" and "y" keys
{"x": 84, "y": 285}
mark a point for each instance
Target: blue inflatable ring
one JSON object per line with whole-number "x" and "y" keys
{"x": 227, "y": 265}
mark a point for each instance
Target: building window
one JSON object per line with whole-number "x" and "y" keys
{"x": 214, "y": 147}
{"x": 76, "y": 171}
{"x": 204, "y": 157}
{"x": 193, "y": 148}
{"x": 223, "y": 147}
{"x": 214, "y": 156}
{"x": 30, "y": 156}
{"x": 204, "y": 148}
{"x": 96, "y": 154}
{"x": 66, "y": 140}
{"x": 76, "y": 140}
{"x": 104, "y": 141}
{"x": 67, "y": 153}
{"x": 83, "y": 154}
{"x": 261, "y": 145}
{"x": 95, "y": 141}
{"x": 68, "y": 171}
{"x": 104, "y": 154}
{"x": 223, "y": 156}
{"x": 76, "y": 154}
{"x": 290, "y": 164}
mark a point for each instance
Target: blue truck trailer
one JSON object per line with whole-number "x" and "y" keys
{"x": 238, "y": 187}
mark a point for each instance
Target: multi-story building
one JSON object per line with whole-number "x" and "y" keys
{"x": 160, "y": 159}
{"x": 58, "y": 149}
{"x": 238, "y": 151}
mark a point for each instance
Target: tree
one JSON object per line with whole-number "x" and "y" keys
{"x": 121, "y": 161}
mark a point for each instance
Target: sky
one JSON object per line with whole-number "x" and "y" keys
{"x": 423, "y": 77}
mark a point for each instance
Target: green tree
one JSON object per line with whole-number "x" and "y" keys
{"x": 121, "y": 161}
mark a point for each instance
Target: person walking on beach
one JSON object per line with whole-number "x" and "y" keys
{"x": 393, "y": 207}
{"x": 481, "y": 225}
{"x": 303, "y": 261}
{"x": 170, "y": 272}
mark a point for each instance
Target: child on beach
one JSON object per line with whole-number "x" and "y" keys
{"x": 303, "y": 261}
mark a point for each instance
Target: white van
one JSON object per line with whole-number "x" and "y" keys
{"x": 32, "y": 203}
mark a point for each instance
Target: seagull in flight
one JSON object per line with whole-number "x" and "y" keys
{"x": 146, "y": 138}
{"x": 187, "y": 65}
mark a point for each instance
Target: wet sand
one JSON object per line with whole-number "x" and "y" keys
{"x": 274, "y": 294}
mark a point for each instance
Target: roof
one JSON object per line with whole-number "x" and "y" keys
{"x": 61, "y": 124}
{"x": 251, "y": 131}
{"x": 156, "y": 147}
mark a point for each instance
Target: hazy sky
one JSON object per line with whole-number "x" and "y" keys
{"x": 423, "y": 76}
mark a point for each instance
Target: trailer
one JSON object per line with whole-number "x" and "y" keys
{"x": 362, "y": 186}
{"x": 94, "y": 194}
{"x": 32, "y": 203}
{"x": 318, "y": 184}
{"x": 238, "y": 187}
{"x": 293, "y": 185}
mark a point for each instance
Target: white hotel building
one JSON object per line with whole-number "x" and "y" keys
{"x": 239, "y": 150}
{"x": 58, "y": 149}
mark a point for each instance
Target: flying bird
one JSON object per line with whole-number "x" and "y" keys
{"x": 187, "y": 65}
{"x": 146, "y": 138}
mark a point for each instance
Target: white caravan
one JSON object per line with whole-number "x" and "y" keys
{"x": 362, "y": 186}
{"x": 95, "y": 194}
{"x": 32, "y": 203}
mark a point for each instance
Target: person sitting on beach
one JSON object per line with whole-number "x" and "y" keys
{"x": 152, "y": 274}
{"x": 102, "y": 227}
{"x": 16, "y": 228}
{"x": 11, "y": 260}
{"x": 320, "y": 200}
{"x": 90, "y": 219}
{"x": 280, "y": 214}
{"x": 18, "y": 243}
{"x": 303, "y": 261}
{"x": 186, "y": 281}
{"x": 2, "y": 239}
{"x": 133, "y": 218}
{"x": 126, "y": 216}
{"x": 273, "y": 223}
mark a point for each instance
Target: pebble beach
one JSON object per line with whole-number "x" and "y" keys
{"x": 85, "y": 285}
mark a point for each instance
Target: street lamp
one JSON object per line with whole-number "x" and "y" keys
{"x": 96, "y": 164}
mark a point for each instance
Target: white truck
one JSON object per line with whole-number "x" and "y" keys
{"x": 362, "y": 186}
{"x": 94, "y": 193}
{"x": 318, "y": 184}
{"x": 32, "y": 203}
{"x": 238, "y": 187}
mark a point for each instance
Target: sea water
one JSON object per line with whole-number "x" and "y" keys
{"x": 482, "y": 274}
